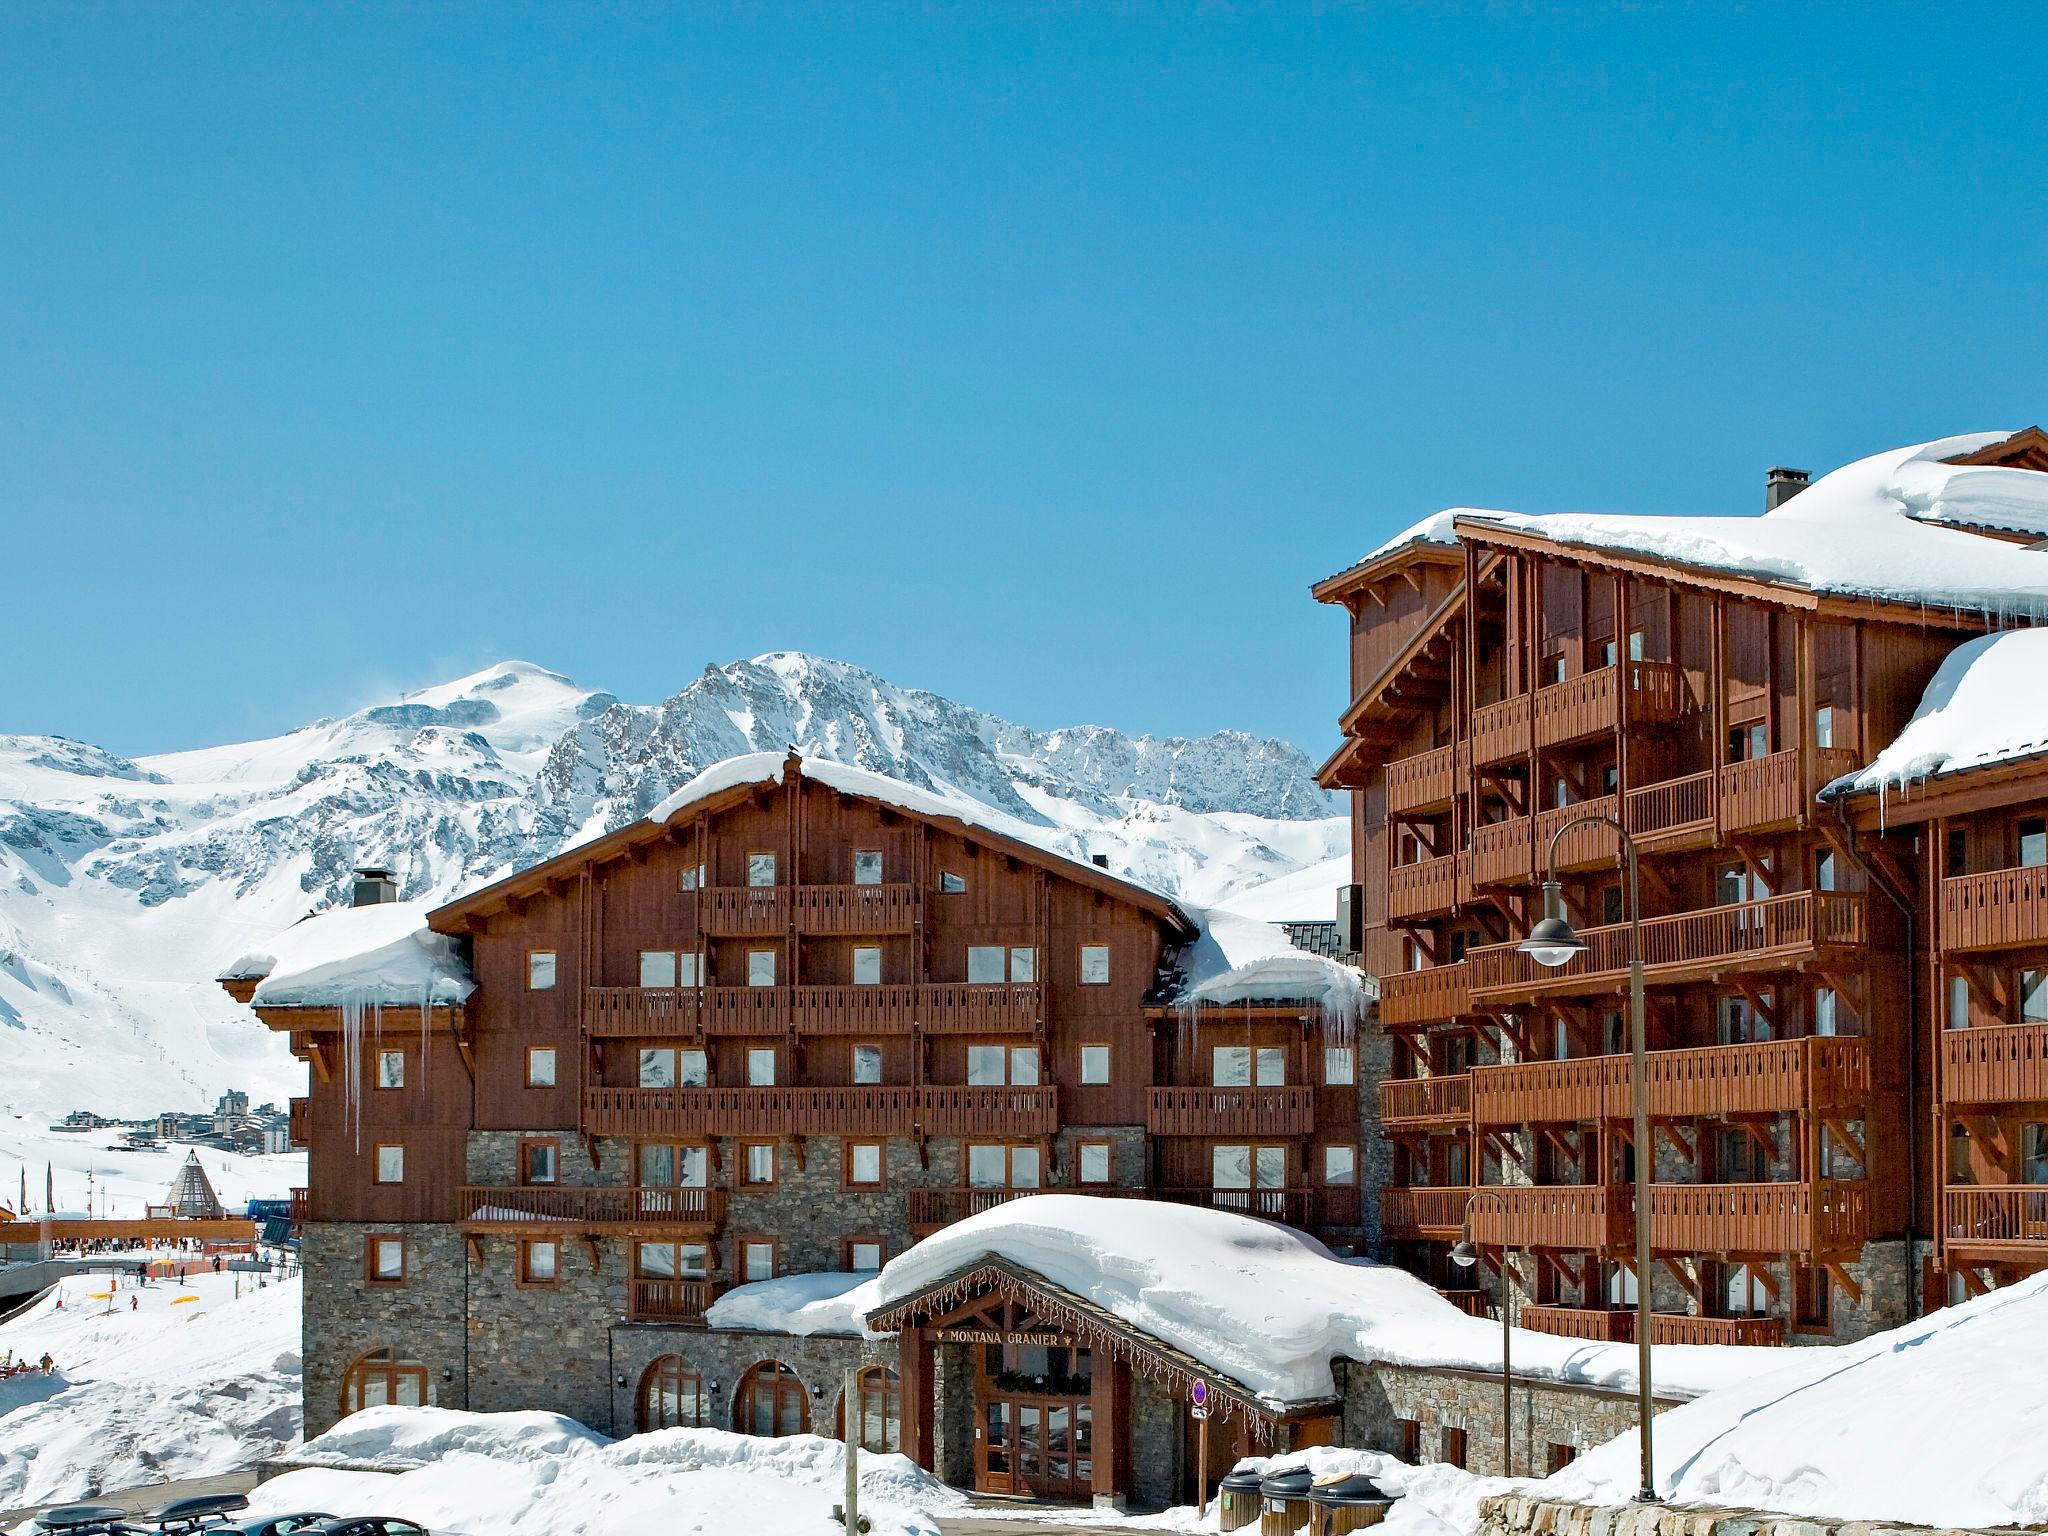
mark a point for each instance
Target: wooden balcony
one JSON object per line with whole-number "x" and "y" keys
{"x": 1289, "y": 1207}
{"x": 1424, "y": 782}
{"x": 1515, "y": 851}
{"x": 864, "y": 1111}
{"x": 1500, "y": 731}
{"x": 538, "y": 1206}
{"x": 741, "y": 911}
{"x": 1995, "y": 1064}
{"x": 1687, "y": 946}
{"x": 299, "y": 1206}
{"x": 1577, "y": 709}
{"x": 1427, "y": 888}
{"x": 1197, "y": 1111}
{"x": 1763, "y": 794}
{"x": 1434, "y": 1214}
{"x": 1997, "y": 1222}
{"x": 1473, "y": 1303}
{"x": 299, "y": 1121}
{"x": 1617, "y": 1325}
{"x": 2002, "y": 909}
{"x": 1826, "y": 1217}
{"x": 1673, "y": 814}
{"x": 953, "y": 1109}
{"x": 1435, "y": 996}
{"x": 940, "y": 1007}
{"x": 931, "y": 1209}
{"x": 1426, "y": 1103}
{"x": 669, "y": 1301}
{"x": 1766, "y": 1078}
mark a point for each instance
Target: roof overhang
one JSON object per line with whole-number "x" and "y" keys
{"x": 1985, "y": 787}
{"x": 1347, "y": 586}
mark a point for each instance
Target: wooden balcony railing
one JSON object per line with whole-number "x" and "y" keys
{"x": 1584, "y": 846}
{"x": 1617, "y": 1325}
{"x": 1502, "y": 851}
{"x": 1424, "y": 888}
{"x": 669, "y": 1301}
{"x": 1418, "y": 783}
{"x": 941, "y": 1007}
{"x": 591, "y": 1206}
{"x": 1671, "y": 813}
{"x": 743, "y": 910}
{"x": 1426, "y": 1213}
{"x": 864, "y": 1111}
{"x": 1197, "y": 1111}
{"x": 1762, "y": 792}
{"x": 1434, "y": 996}
{"x": 1290, "y": 1207}
{"x": 1745, "y": 935}
{"x": 1764, "y": 1078}
{"x": 1415, "y": 1103}
{"x": 931, "y": 1209}
{"x": 952, "y": 1109}
{"x": 299, "y": 1121}
{"x": 1825, "y": 1217}
{"x": 1992, "y": 911}
{"x": 2008, "y": 1220}
{"x": 1500, "y": 731}
{"x": 1995, "y": 1064}
{"x": 1473, "y": 1303}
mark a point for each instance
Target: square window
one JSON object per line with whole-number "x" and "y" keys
{"x": 864, "y": 1162}
{"x": 760, "y": 870}
{"x": 867, "y": 1065}
{"x": 693, "y": 1069}
{"x": 1094, "y": 1064}
{"x": 1094, "y": 965}
{"x": 1023, "y": 1167}
{"x": 760, "y": 967}
{"x": 390, "y": 1165}
{"x": 984, "y": 964}
{"x": 760, "y": 1163}
{"x": 867, "y": 866}
{"x": 687, "y": 968}
{"x": 657, "y": 1067}
{"x": 1230, "y": 1066}
{"x": 657, "y": 968}
{"x": 540, "y": 1261}
{"x": 1023, "y": 963}
{"x": 540, "y": 970}
{"x": 1024, "y": 1066}
{"x": 1272, "y": 1066}
{"x": 1094, "y": 1162}
{"x": 1340, "y": 1065}
{"x": 540, "y": 1066}
{"x": 757, "y": 1260}
{"x": 387, "y": 1260}
{"x": 985, "y": 1065}
{"x": 867, "y": 965}
{"x": 761, "y": 1066}
{"x": 691, "y": 878}
{"x": 540, "y": 1159}
{"x": 863, "y": 1255}
{"x": 988, "y": 1165}
{"x": 1340, "y": 1164}
{"x": 951, "y": 884}
{"x": 391, "y": 1069}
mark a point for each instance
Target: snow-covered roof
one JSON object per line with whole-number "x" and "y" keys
{"x": 1267, "y": 1306}
{"x": 802, "y": 1305}
{"x": 767, "y": 768}
{"x": 1242, "y": 960}
{"x": 382, "y": 955}
{"x": 1985, "y": 704}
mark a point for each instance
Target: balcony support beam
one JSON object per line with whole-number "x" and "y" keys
{"x": 1845, "y": 1280}
{"x": 1689, "y": 1150}
{"x": 1687, "y": 1281}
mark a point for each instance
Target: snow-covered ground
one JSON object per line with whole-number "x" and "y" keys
{"x": 188, "y": 1381}
{"x": 121, "y": 1181}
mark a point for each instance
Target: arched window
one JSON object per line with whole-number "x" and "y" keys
{"x": 878, "y": 1410}
{"x": 771, "y": 1401}
{"x": 671, "y": 1394}
{"x": 380, "y": 1377}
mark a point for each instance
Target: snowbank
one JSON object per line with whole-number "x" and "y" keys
{"x": 1242, "y": 960}
{"x": 1984, "y": 704}
{"x": 1431, "y": 1500}
{"x": 1270, "y": 1307}
{"x": 1942, "y": 1422}
{"x": 191, "y": 1382}
{"x": 536, "y": 1474}
{"x": 377, "y": 955}
{"x": 1305, "y": 896}
{"x": 799, "y": 1304}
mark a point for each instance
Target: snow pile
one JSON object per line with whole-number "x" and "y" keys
{"x": 190, "y": 1382}
{"x": 798, "y": 1304}
{"x": 1242, "y": 960}
{"x": 1983, "y": 705}
{"x": 1306, "y": 896}
{"x": 1941, "y": 1422}
{"x": 1270, "y": 1307}
{"x": 536, "y": 1474}
{"x": 376, "y": 955}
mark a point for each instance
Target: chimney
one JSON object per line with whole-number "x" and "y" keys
{"x": 374, "y": 886}
{"x": 1099, "y": 860}
{"x": 1781, "y": 485}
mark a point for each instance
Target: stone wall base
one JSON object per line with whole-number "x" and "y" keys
{"x": 1515, "y": 1514}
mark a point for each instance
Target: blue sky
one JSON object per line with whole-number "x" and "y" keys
{"x": 1042, "y": 357}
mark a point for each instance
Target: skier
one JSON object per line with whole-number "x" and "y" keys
{"x": 49, "y": 1365}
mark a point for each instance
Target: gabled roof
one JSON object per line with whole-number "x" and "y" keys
{"x": 738, "y": 779}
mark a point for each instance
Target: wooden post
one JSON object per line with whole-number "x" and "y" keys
{"x": 1109, "y": 1396}
{"x": 914, "y": 1359}
{"x": 849, "y": 1415}
{"x": 1202, "y": 1467}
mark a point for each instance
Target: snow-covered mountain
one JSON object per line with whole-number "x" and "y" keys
{"x": 126, "y": 883}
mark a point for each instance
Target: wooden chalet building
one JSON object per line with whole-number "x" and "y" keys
{"x": 1700, "y": 680}
{"x": 797, "y": 1018}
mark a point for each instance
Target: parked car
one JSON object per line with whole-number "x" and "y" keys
{"x": 200, "y": 1512}
{"x": 85, "y": 1520}
{"x": 276, "y": 1525}
{"x": 364, "y": 1525}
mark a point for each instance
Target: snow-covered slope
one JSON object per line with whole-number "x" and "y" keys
{"x": 126, "y": 885}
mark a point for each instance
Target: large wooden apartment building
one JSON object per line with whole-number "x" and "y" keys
{"x": 1698, "y": 680}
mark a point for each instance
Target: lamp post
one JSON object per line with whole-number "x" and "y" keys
{"x": 1553, "y": 943}
{"x": 1465, "y": 1254}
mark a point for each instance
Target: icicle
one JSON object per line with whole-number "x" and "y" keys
{"x": 426, "y": 1027}
{"x": 352, "y": 1063}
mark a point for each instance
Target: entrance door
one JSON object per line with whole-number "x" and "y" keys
{"x": 1034, "y": 1422}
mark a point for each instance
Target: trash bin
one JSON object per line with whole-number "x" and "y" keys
{"x": 1345, "y": 1501}
{"x": 1283, "y": 1501}
{"x": 1237, "y": 1500}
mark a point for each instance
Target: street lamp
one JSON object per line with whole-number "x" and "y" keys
{"x": 1465, "y": 1254}
{"x": 1553, "y": 943}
